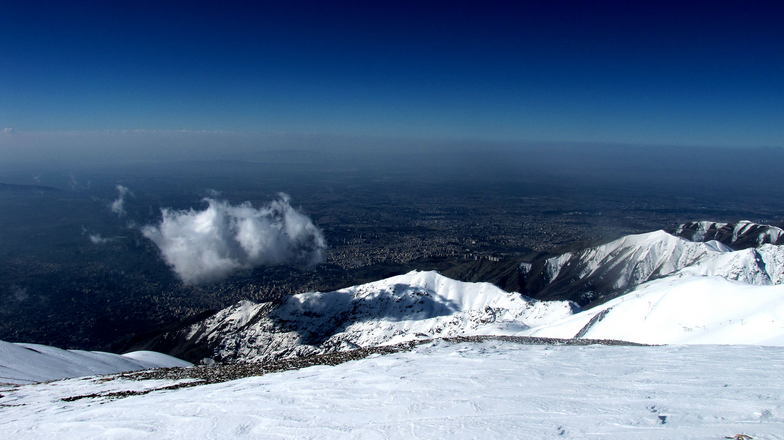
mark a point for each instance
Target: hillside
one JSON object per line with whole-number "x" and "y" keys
{"x": 28, "y": 363}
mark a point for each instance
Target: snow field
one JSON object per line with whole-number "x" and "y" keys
{"x": 455, "y": 391}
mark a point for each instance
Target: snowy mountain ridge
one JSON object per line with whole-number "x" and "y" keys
{"x": 417, "y": 305}
{"x": 640, "y": 257}
{"x": 742, "y": 234}
{"x": 634, "y": 259}
{"x": 27, "y": 363}
{"x": 423, "y": 305}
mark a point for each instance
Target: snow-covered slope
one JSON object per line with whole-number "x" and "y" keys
{"x": 441, "y": 391}
{"x": 682, "y": 310}
{"x": 742, "y": 234}
{"x": 406, "y": 307}
{"x": 763, "y": 265}
{"x": 634, "y": 259}
{"x": 27, "y": 363}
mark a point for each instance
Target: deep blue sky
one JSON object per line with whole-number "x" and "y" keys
{"x": 703, "y": 73}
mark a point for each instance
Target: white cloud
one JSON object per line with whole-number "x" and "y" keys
{"x": 8, "y": 130}
{"x": 98, "y": 239}
{"x": 118, "y": 205}
{"x": 211, "y": 244}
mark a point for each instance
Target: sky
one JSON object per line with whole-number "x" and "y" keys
{"x": 669, "y": 73}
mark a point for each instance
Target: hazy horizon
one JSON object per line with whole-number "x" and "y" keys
{"x": 702, "y": 73}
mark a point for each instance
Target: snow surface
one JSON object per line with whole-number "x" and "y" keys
{"x": 441, "y": 391}
{"x": 417, "y": 305}
{"x": 762, "y": 266}
{"x": 26, "y": 363}
{"x": 682, "y": 310}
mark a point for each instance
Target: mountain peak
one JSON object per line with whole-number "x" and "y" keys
{"x": 415, "y": 305}
{"x": 609, "y": 269}
{"x": 740, "y": 235}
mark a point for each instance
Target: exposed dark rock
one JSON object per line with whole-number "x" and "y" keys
{"x": 207, "y": 374}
